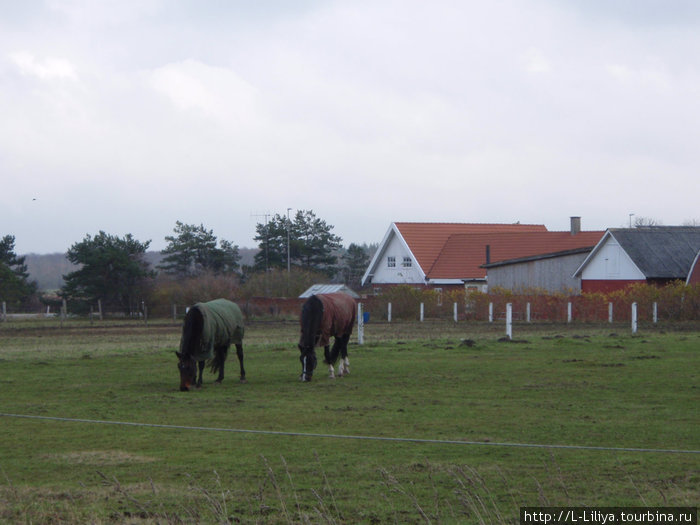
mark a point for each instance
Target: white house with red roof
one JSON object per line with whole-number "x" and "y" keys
{"x": 450, "y": 255}
{"x": 410, "y": 251}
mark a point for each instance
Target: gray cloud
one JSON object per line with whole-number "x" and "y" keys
{"x": 129, "y": 116}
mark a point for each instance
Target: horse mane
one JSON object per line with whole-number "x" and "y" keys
{"x": 192, "y": 331}
{"x": 311, "y": 317}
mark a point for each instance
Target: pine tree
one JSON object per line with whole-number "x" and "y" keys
{"x": 15, "y": 287}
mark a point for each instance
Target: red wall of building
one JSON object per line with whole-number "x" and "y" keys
{"x": 695, "y": 276}
{"x": 606, "y": 286}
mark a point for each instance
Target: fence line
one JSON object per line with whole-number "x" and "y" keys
{"x": 526, "y": 308}
{"x": 356, "y": 437}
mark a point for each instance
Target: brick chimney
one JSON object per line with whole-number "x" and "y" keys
{"x": 575, "y": 225}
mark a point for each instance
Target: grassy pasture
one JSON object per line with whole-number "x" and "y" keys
{"x": 566, "y": 385}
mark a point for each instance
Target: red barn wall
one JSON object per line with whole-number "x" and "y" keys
{"x": 605, "y": 285}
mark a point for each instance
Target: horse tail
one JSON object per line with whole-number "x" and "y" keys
{"x": 219, "y": 358}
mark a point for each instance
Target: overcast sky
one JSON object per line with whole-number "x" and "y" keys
{"x": 129, "y": 115}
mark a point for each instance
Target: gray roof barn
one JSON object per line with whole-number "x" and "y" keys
{"x": 328, "y": 288}
{"x": 660, "y": 252}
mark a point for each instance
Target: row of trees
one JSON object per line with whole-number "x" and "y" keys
{"x": 114, "y": 270}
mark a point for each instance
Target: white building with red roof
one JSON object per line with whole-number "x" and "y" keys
{"x": 441, "y": 255}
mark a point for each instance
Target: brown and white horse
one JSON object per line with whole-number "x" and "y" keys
{"x": 324, "y": 316}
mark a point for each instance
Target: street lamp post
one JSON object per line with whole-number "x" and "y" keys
{"x": 288, "y": 256}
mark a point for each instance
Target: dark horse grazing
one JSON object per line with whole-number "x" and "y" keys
{"x": 324, "y": 316}
{"x": 207, "y": 333}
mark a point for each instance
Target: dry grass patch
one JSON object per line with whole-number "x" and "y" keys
{"x": 100, "y": 457}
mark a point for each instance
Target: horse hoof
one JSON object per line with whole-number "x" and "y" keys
{"x": 305, "y": 379}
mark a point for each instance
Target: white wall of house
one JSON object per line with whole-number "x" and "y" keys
{"x": 611, "y": 262}
{"x": 396, "y": 265}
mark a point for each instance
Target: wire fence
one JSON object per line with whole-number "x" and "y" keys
{"x": 354, "y": 437}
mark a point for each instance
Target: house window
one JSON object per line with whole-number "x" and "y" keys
{"x": 391, "y": 262}
{"x": 407, "y": 262}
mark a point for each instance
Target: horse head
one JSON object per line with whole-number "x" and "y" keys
{"x": 189, "y": 344}
{"x": 308, "y": 362}
{"x": 188, "y": 371}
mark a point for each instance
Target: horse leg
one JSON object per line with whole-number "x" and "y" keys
{"x": 344, "y": 366}
{"x": 201, "y": 370}
{"x": 239, "y": 353}
{"x": 329, "y": 361}
{"x": 221, "y": 352}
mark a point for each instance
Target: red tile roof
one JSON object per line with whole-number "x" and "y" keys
{"x": 427, "y": 239}
{"x": 463, "y": 254}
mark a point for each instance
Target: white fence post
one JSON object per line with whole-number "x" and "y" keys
{"x": 634, "y": 318}
{"x": 656, "y": 312}
{"x": 490, "y": 312}
{"x": 360, "y": 325}
{"x": 610, "y": 313}
{"x": 569, "y": 314}
{"x": 509, "y": 320}
{"x": 454, "y": 311}
{"x": 527, "y": 312}
{"x": 4, "y": 311}
{"x": 388, "y": 312}
{"x": 422, "y": 312}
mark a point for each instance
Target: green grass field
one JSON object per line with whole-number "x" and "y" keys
{"x": 559, "y": 385}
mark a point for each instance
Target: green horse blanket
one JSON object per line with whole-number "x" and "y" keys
{"x": 223, "y": 325}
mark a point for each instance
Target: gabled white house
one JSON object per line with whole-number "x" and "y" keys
{"x": 431, "y": 254}
{"x": 394, "y": 262}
